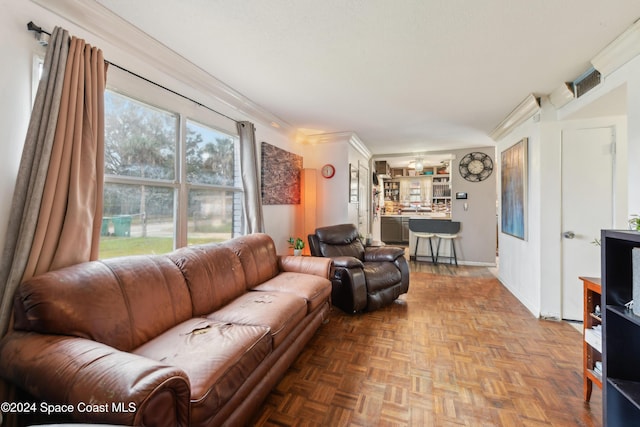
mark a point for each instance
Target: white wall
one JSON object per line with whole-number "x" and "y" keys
{"x": 520, "y": 259}
{"x": 17, "y": 50}
{"x": 331, "y": 193}
{"x": 341, "y": 150}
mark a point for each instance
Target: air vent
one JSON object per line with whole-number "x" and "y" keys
{"x": 586, "y": 82}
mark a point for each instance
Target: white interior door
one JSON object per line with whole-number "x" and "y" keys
{"x": 587, "y": 207}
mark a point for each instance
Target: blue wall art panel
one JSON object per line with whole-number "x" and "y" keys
{"x": 514, "y": 189}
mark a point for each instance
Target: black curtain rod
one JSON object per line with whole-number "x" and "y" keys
{"x": 33, "y": 27}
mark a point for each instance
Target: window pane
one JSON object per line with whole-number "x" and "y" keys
{"x": 210, "y": 156}
{"x": 140, "y": 140}
{"x": 211, "y": 215}
{"x": 138, "y": 219}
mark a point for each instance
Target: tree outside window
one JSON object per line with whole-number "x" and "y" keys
{"x": 148, "y": 167}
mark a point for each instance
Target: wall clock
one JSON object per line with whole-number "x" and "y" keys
{"x": 328, "y": 171}
{"x": 476, "y": 166}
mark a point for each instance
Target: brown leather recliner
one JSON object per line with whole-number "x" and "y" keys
{"x": 363, "y": 278}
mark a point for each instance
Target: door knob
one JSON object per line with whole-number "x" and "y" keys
{"x": 568, "y": 234}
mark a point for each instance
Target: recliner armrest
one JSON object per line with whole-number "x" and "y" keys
{"x": 383, "y": 253}
{"x": 79, "y": 372}
{"x": 347, "y": 262}
{"x": 349, "y": 285}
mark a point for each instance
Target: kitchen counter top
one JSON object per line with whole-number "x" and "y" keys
{"x": 422, "y": 215}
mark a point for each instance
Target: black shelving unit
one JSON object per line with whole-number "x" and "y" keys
{"x": 621, "y": 331}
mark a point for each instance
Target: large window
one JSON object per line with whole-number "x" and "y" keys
{"x": 170, "y": 180}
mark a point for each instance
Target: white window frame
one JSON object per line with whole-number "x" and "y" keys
{"x": 36, "y": 75}
{"x": 135, "y": 88}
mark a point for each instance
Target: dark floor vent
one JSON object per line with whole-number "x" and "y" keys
{"x": 586, "y": 82}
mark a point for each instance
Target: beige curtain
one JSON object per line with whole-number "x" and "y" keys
{"x": 56, "y": 210}
{"x": 252, "y": 201}
{"x": 32, "y": 173}
{"x": 68, "y": 229}
{"x": 57, "y": 204}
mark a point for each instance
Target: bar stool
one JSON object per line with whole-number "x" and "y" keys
{"x": 424, "y": 236}
{"x": 451, "y": 233}
{"x": 417, "y": 226}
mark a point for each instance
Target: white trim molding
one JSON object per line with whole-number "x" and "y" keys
{"x": 351, "y": 137}
{"x": 561, "y": 96}
{"x": 620, "y": 51}
{"x": 525, "y": 110}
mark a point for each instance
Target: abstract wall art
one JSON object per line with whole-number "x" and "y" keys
{"x": 280, "y": 178}
{"x": 514, "y": 189}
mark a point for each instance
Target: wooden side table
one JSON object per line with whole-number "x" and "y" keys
{"x": 592, "y": 341}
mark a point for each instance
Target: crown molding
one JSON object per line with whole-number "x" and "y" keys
{"x": 350, "y": 137}
{"x": 525, "y": 110}
{"x": 620, "y": 51}
{"x": 359, "y": 146}
{"x": 100, "y": 22}
{"x": 561, "y": 96}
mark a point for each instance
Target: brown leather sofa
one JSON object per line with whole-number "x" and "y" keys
{"x": 364, "y": 278}
{"x": 197, "y": 337}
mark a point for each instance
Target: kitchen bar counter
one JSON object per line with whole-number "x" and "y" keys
{"x": 424, "y": 215}
{"x": 443, "y": 246}
{"x": 394, "y": 228}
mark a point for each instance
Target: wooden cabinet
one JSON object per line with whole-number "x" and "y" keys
{"x": 592, "y": 333}
{"x": 621, "y": 331}
{"x": 391, "y": 191}
{"x": 415, "y": 191}
{"x": 405, "y": 229}
{"x": 423, "y": 189}
{"x": 397, "y": 172}
{"x": 441, "y": 197}
{"x": 394, "y": 229}
{"x": 382, "y": 167}
{"x": 391, "y": 229}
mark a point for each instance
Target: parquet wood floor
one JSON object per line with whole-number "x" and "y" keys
{"x": 457, "y": 350}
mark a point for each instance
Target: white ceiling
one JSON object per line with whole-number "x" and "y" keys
{"x": 405, "y": 76}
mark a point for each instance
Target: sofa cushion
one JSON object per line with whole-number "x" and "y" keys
{"x": 213, "y": 273}
{"x": 257, "y": 254}
{"x": 314, "y": 289}
{"x": 216, "y": 356}
{"x": 121, "y": 302}
{"x": 280, "y": 312}
{"x": 381, "y": 275}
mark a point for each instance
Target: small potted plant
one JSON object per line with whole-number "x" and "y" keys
{"x": 634, "y": 222}
{"x": 297, "y": 244}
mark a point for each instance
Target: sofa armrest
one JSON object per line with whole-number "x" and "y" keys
{"x": 382, "y": 253}
{"x": 347, "y": 262}
{"x": 98, "y": 382}
{"x": 305, "y": 264}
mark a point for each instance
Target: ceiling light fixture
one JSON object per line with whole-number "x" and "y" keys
{"x": 419, "y": 164}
